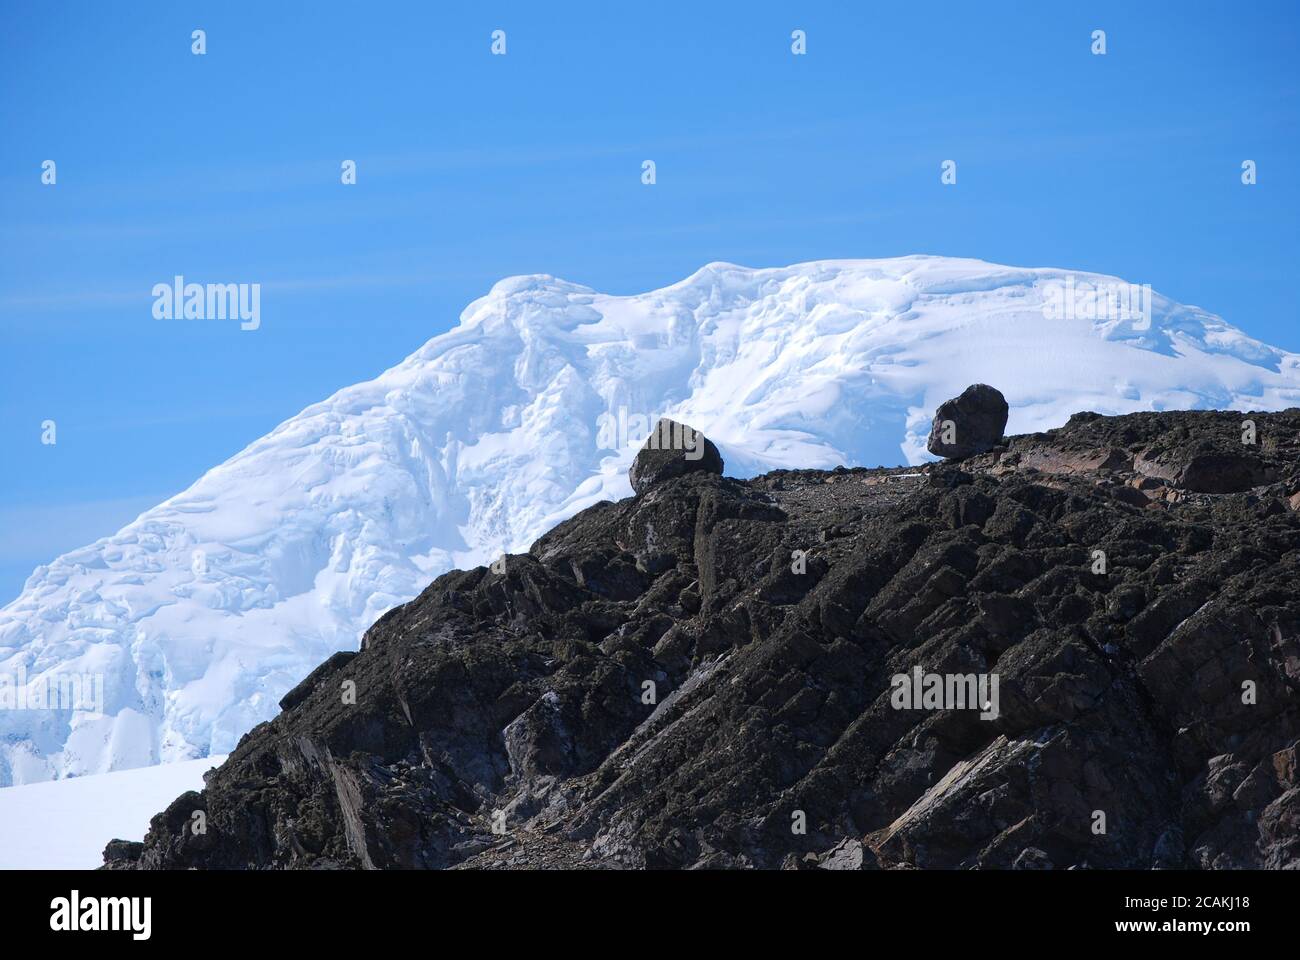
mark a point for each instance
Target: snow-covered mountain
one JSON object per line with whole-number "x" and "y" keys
{"x": 204, "y": 611}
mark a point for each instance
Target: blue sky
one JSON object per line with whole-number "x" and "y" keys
{"x": 225, "y": 168}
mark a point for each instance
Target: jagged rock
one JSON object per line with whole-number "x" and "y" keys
{"x": 122, "y": 854}
{"x": 672, "y": 450}
{"x": 849, "y": 854}
{"x": 1210, "y": 465}
{"x": 538, "y": 741}
{"x": 300, "y": 693}
{"x": 666, "y": 681}
{"x": 969, "y": 424}
{"x": 1031, "y": 858}
{"x": 1223, "y": 473}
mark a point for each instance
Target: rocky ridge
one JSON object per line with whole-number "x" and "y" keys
{"x": 707, "y": 675}
{"x": 206, "y": 609}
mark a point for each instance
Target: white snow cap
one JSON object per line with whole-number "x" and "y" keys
{"x": 203, "y": 612}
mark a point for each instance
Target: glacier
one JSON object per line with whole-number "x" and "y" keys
{"x": 200, "y": 614}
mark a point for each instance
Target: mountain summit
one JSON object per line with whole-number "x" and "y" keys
{"x": 200, "y": 615}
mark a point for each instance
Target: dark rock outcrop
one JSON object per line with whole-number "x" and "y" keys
{"x": 969, "y": 424}
{"x": 737, "y": 674}
{"x": 122, "y": 854}
{"x": 673, "y": 450}
{"x": 314, "y": 679}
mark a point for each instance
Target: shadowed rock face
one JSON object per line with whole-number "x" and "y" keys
{"x": 673, "y": 450}
{"x": 679, "y": 678}
{"x": 969, "y": 424}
